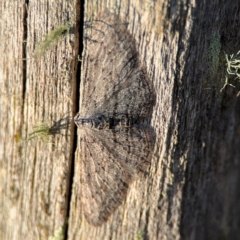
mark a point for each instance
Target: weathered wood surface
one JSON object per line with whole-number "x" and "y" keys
{"x": 174, "y": 41}
{"x": 34, "y": 177}
{"x": 191, "y": 189}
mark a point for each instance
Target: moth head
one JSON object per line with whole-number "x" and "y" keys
{"x": 98, "y": 122}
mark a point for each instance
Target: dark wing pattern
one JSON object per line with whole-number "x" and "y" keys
{"x": 110, "y": 162}
{"x": 114, "y": 80}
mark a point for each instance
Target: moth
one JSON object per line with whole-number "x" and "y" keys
{"x": 116, "y": 101}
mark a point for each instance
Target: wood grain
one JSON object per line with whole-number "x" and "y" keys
{"x": 35, "y": 177}
{"x": 191, "y": 189}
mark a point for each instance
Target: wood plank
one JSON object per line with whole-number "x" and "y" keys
{"x": 36, "y": 175}
{"x": 139, "y": 213}
{"x": 178, "y": 42}
{"x": 11, "y": 74}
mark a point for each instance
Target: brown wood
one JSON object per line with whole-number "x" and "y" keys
{"x": 191, "y": 189}
{"x": 34, "y": 177}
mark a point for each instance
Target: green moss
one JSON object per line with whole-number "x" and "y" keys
{"x": 39, "y": 132}
{"x": 214, "y": 54}
{"x": 50, "y": 40}
{"x": 140, "y": 235}
{"x": 58, "y": 234}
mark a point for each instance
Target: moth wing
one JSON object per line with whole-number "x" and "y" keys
{"x": 113, "y": 79}
{"x": 111, "y": 160}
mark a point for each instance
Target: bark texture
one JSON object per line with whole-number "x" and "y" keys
{"x": 190, "y": 191}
